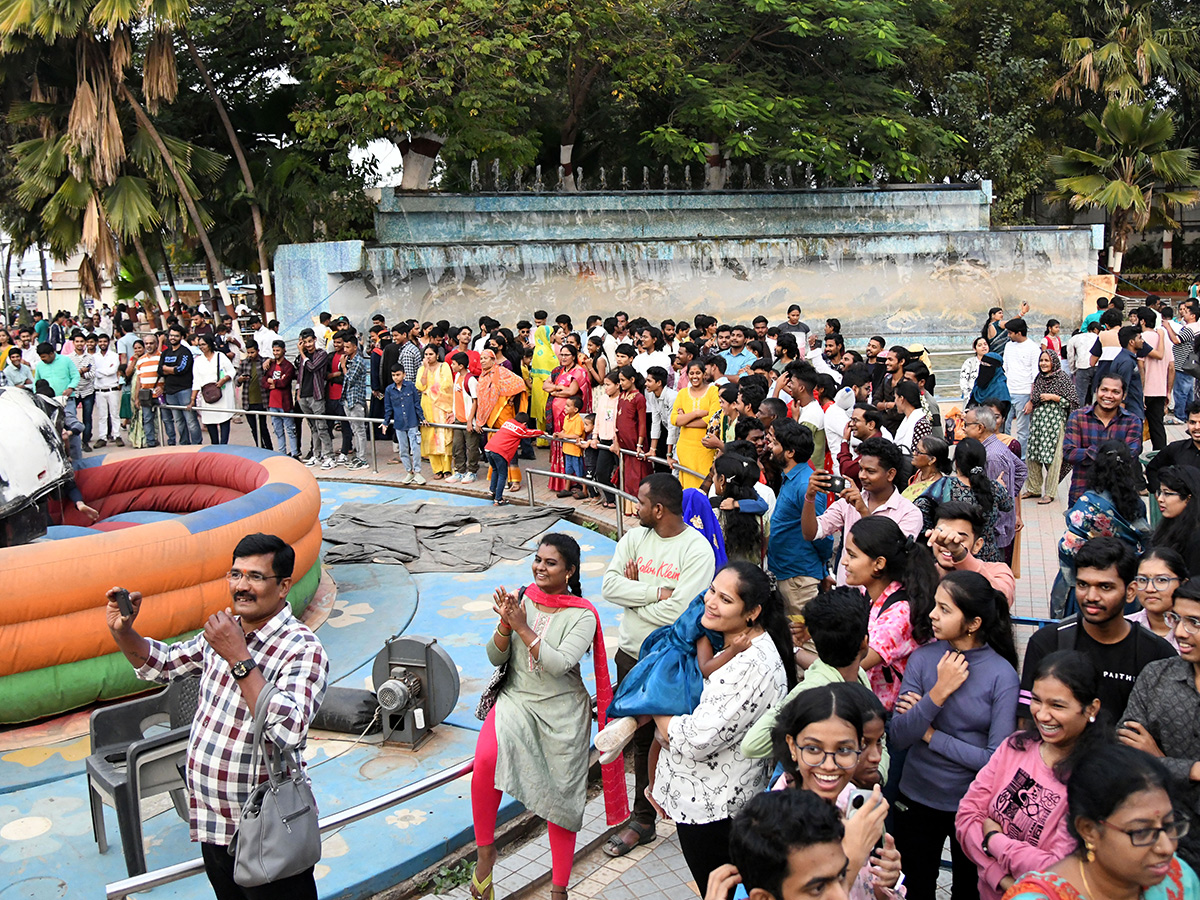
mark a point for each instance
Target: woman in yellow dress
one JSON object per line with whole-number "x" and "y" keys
{"x": 435, "y": 381}
{"x": 693, "y": 407}
{"x": 545, "y": 360}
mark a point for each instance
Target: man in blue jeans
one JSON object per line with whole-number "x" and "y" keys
{"x": 175, "y": 374}
{"x": 1185, "y": 340}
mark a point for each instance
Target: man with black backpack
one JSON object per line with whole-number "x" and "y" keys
{"x": 1104, "y": 571}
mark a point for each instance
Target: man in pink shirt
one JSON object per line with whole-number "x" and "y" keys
{"x": 878, "y": 462}
{"x": 1155, "y": 369}
{"x": 956, "y": 538}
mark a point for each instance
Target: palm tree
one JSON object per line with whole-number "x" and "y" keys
{"x": 1133, "y": 173}
{"x": 96, "y": 38}
{"x": 1132, "y": 51}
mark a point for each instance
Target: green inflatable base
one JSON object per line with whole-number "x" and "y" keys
{"x": 57, "y": 689}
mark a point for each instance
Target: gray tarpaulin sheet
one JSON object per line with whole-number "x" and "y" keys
{"x": 434, "y": 537}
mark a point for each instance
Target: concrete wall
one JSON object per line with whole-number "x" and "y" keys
{"x": 917, "y": 263}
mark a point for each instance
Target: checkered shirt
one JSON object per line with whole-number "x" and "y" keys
{"x": 220, "y": 745}
{"x": 410, "y": 358}
{"x": 354, "y": 385}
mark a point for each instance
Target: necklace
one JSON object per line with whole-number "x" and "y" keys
{"x": 1092, "y": 895}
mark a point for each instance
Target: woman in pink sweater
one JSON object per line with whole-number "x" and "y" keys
{"x": 1014, "y": 816}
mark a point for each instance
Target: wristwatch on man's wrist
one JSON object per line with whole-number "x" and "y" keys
{"x": 242, "y": 668}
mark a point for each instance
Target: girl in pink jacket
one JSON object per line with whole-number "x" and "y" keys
{"x": 1013, "y": 818}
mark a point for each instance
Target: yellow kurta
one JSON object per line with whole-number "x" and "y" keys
{"x": 689, "y": 451}
{"x": 437, "y": 405}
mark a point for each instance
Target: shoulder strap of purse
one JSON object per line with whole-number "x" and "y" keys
{"x": 274, "y": 771}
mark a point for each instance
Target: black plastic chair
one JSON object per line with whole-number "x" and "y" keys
{"x": 127, "y": 765}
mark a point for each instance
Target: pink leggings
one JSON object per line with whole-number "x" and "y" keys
{"x": 485, "y": 804}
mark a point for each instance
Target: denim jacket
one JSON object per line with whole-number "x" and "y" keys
{"x": 402, "y": 406}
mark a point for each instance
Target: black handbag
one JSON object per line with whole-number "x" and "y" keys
{"x": 495, "y": 684}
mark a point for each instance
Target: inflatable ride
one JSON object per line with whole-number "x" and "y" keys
{"x": 169, "y": 520}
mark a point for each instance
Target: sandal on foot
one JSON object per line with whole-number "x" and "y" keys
{"x": 558, "y": 893}
{"x": 616, "y": 847}
{"x": 482, "y": 890}
{"x": 1045, "y": 501}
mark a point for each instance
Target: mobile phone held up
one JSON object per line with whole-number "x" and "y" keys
{"x": 126, "y": 606}
{"x": 837, "y": 484}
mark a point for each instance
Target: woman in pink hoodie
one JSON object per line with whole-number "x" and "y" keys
{"x": 1013, "y": 818}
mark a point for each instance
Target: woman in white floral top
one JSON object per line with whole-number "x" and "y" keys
{"x": 702, "y": 779}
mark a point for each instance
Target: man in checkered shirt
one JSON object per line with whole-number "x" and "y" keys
{"x": 254, "y": 640}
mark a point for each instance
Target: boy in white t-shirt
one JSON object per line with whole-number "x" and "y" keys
{"x": 465, "y": 441}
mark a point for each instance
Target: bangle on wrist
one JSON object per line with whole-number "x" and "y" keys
{"x": 500, "y": 631}
{"x": 537, "y": 640}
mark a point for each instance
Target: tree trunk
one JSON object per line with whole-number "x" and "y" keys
{"x": 45, "y": 277}
{"x": 188, "y": 200}
{"x": 1168, "y": 255}
{"x": 160, "y": 304}
{"x": 418, "y": 155}
{"x": 162, "y": 248}
{"x": 715, "y": 169}
{"x": 239, "y": 153}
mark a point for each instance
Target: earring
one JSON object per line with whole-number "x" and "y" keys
{"x": 1091, "y": 852}
{"x": 1091, "y": 718}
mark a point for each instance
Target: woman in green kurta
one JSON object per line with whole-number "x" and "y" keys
{"x": 534, "y": 743}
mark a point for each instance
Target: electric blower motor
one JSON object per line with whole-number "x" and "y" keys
{"x": 416, "y": 685}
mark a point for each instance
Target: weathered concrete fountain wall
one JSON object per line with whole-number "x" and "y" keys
{"x": 917, "y": 261}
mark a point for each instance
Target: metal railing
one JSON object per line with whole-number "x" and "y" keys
{"x": 675, "y": 465}
{"x": 119, "y": 890}
{"x": 579, "y": 479}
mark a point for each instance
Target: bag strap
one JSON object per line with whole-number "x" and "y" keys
{"x": 274, "y": 771}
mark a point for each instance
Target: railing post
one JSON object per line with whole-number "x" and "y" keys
{"x": 529, "y": 481}
{"x": 620, "y": 519}
{"x": 374, "y": 451}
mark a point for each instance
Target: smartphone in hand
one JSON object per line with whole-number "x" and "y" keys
{"x": 122, "y": 597}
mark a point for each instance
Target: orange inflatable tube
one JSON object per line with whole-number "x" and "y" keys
{"x": 206, "y": 499}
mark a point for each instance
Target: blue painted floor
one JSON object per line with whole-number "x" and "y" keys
{"x": 46, "y": 845}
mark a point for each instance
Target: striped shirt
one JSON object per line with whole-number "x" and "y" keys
{"x": 219, "y": 776}
{"x": 147, "y": 371}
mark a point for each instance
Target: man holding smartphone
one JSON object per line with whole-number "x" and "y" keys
{"x": 253, "y": 641}
{"x": 878, "y": 462}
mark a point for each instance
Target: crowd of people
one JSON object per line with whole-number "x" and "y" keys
{"x": 816, "y": 594}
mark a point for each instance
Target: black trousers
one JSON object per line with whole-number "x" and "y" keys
{"x": 643, "y": 811}
{"x": 260, "y": 428}
{"x": 1156, "y": 408}
{"x": 920, "y": 834}
{"x": 705, "y": 847}
{"x": 218, "y": 865}
{"x": 606, "y": 464}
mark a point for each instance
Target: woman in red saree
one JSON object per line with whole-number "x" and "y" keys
{"x": 567, "y": 380}
{"x": 632, "y": 432}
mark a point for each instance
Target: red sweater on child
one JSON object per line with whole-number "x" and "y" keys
{"x": 506, "y": 440}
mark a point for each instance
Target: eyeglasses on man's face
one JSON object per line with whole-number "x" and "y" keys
{"x": 255, "y": 578}
{"x": 1191, "y": 624}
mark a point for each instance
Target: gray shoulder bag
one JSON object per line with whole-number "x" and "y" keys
{"x": 278, "y": 835}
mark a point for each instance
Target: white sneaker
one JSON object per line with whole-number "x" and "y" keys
{"x": 328, "y": 462}
{"x": 418, "y": 478}
{"x": 406, "y": 478}
{"x": 341, "y": 460}
{"x": 356, "y": 463}
{"x": 312, "y": 461}
{"x": 454, "y": 478}
{"x": 469, "y": 478}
